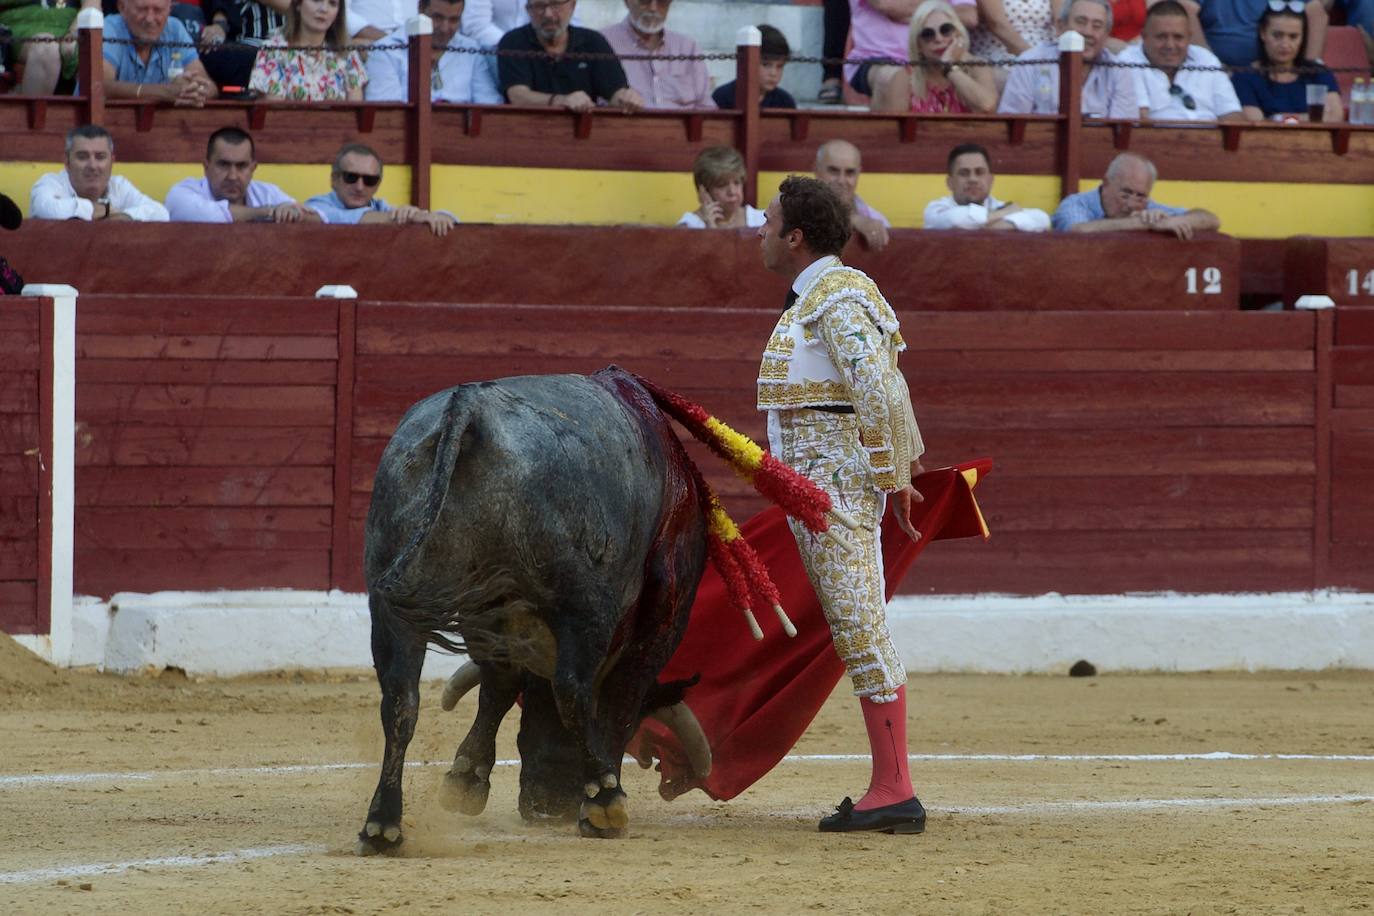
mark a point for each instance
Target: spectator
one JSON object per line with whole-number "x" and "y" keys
{"x": 234, "y": 32}
{"x": 834, "y": 37}
{"x": 330, "y": 73}
{"x": 879, "y": 29}
{"x": 485, "y": 21}
{"x": 942, "y": 75}
{"x": 11, "y": 284}
{"x": 1122, "y": 204}
{"x": 228, "y": 193}
{"x": 379, "y": 17}
{"x": 46, "y": 63}
{"x": 1231, "y": 27}
{"x": 773, "y": 54}
{"x": 85, "y": 189}
{"x": 970, "y": 204}
{"x": 671, "y": 80}
{"x": 839, "y": 165}
{"x": 1009, "y": 28}
{"x": 461, "y": 76}
{"x": 1276, "y": 87}
{"x": 719, "y": 177}
{"x": 1108, "y": 92}
{"x": 1203, "y": 92}
{"x": 553, "y": 79}
{"x": 356, "y": 175}
{"x": 145, "y": 57}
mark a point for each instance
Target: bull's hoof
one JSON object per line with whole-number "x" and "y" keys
{"x": 585, "y": 828}
{"x": 376, "y": 837}
{"x": 606, "y": 810}
{"x": 465, "y": 791}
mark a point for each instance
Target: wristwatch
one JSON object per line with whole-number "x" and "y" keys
{"x": 106, "y": 202}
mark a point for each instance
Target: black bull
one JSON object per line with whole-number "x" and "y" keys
{"x": 554, "y": 528}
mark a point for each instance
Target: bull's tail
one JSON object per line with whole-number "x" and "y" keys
{"x": 457, "y": 415}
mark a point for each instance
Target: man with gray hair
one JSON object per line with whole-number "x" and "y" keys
{"x": 1122, "y": 204}
{"x": 667, "y": 69}
{"x": 86, "y": 189}
{"x": 355, "y": 179}
{"x": 1108, "y": 92}
{"x": 839, "y": 165}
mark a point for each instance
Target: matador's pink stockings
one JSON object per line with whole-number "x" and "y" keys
{"x": 891, "y": 781}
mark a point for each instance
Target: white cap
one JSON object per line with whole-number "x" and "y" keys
{"x": 419, "y": 25}
{"x": 337, "y": 292}
{"x": 1070, "y": 41}
{"x": 1313, "y": 303}
{"x": 748, "y": 37}
{"x": 90, "y": 18}
{"x": 48, "y": 290}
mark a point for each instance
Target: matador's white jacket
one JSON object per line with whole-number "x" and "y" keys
{"x": 837, "y": 346}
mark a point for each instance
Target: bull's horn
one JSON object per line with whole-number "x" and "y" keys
{"x": 682, "y": 722}
{"x": 463, "y": 680}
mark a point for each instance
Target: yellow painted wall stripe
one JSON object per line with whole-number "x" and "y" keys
{"x": 483, "y": 194}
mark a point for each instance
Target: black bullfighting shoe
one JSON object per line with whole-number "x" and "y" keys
{"x": 903, "y": 817}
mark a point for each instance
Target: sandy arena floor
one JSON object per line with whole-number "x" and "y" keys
{"x": 159, "y": 795}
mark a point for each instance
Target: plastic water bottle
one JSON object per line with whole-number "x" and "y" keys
{"x": 175, "y": 69}
{"x": 1359, "y": 102}
{"x": 1046, "y": 98}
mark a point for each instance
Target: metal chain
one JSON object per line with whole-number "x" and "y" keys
{"x": 716, "y": 56}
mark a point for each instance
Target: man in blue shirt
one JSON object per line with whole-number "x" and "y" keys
{"x": 149, "y": 55}
{"x": 356, "y": 176}
{"x": 1122, "y": 204}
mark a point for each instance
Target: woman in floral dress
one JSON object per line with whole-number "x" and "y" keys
{"x": 288, "y": 69}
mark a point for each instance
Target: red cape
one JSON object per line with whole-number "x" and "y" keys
{"x": 756, "y": 698}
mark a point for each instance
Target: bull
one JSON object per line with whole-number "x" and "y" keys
{"x": 553, "y": 528}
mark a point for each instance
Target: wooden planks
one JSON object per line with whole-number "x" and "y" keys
{"x": 205, "y": 444}
{"x": 20, "y": 356}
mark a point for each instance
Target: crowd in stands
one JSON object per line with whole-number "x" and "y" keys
{"x": 1148, "y": 59}
{"x": 87, "y": 189}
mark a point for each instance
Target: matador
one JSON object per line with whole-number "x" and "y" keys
{"x": 839, "y": 412}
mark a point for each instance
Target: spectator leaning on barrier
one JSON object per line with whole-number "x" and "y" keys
{"x": 541, "y": 73}
{"x": 149, "y": 55}
{"x": 308, "y": 60}
{"x": 11, "y": 284}
{"x": 228, "y": 193}
{"x": 839, "y": 164}
{"x": 671, "y": 78}
{"x": 718, "y": 175}
{"x": 1230, "y": 27}
{"x": 942, "y": 76}
{"x": 33, "y": 26}
{"x": 459, "y": 73}
{"x": 1167, "y": 93}
{"x": 773, "y": 54}
{"x": 1276, "y": 87}
{"x": 1122, "y": 203}
{"x": 86, "y": 189}
{"x": 1108, "y": 92}
{"x": 970, "y": 204}
{"x": 879, "y": 31}
{"x": 355, "y": 178}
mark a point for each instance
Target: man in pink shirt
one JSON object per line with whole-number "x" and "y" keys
{"x": 665, "y": 82}
{"x": 879, "y": 30}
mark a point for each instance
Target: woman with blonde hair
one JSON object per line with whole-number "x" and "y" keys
{"x": 943, "y": 76}
{"x": 307, "y": 60}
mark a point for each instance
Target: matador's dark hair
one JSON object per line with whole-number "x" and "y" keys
{"x": 814, "y": 208}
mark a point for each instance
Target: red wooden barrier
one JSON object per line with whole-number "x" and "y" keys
{"x": 20, "y": 484}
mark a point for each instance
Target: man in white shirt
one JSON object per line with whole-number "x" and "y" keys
{"x": 1108, "y": 92}
{"x": 86, "y": 189}
{"x": 839, "y": 164}
{"x": 460, "y": 76}
{"x": 228, "y": 193}
{"x": 383, "y": 15}
{"x": 970, "y": 204}
{"x": 1168, "y": 93}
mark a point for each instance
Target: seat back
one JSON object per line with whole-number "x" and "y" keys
{"x": 1345, "y": 48}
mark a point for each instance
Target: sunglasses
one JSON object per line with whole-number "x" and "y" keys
{"x": 1292, "y": 6}
{"x": 946, "y": 30}
{"x": 1189, "y": 102}
{"x": 354, "y": 177}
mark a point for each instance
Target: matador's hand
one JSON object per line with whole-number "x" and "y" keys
{"x": 902, "y": 501}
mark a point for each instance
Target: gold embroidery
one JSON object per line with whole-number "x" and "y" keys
{"x": 872, "y": 437}
{"x": 787, "y": 396}
{"x": 780, "y": 344}
{"x": 773, "y": 369}
{"x": 845, "y": 282}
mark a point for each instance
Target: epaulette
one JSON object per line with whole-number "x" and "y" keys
{"x": 845, "y": 283}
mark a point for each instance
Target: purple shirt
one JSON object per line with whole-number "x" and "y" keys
{"x": 662, "y": 83}
{"x": 863, "y": 209}
{"x": 875, "y": 35}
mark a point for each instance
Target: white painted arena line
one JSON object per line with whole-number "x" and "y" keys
{"x": 54, "y": 779}
{"x": 60, "y": 872}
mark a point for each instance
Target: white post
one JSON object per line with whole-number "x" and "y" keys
{"x": 62, "y": 450}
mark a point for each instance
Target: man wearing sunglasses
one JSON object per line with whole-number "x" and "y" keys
{"x": 228, "y": 193}
{"x": 1167, "y": 93}
{"x": 355, "y": 178}
{"x": 1231, "y": 27}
